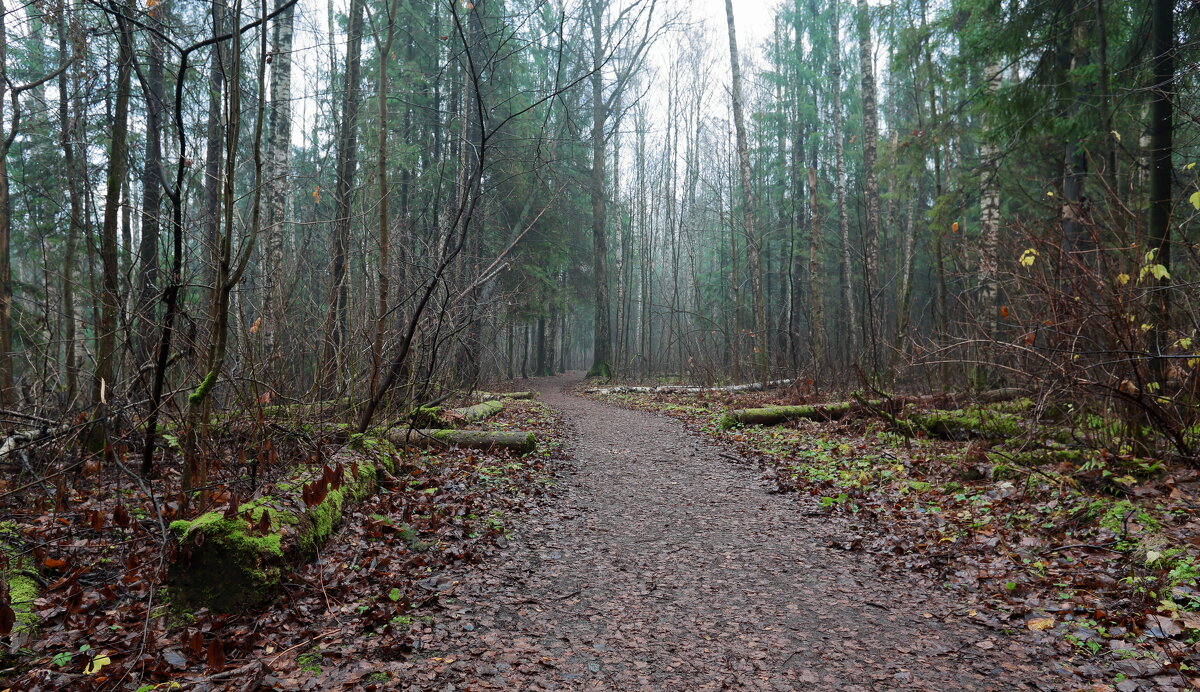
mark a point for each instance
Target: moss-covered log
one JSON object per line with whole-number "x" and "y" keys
{"x": 520, "y": 442}
{"x": 19, "y": 575}
{"x": 773, "y": 415}
{"x": 476, "y": 413}
{"x": 229, "y": 560}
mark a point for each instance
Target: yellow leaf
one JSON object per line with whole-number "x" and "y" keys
{"x": 954, "y": 227}
{"x": 1116, "y": 135}
{"x": 1122, "y": 279}
{"x": 1040, "y": 624}
{"x": 1027, "y": 258}
{"x": 1190, "y": 166}
{"x": 1050, "y": 194}
{"x": 1193, "y": 362}
{"x": 1195, "y": 199}
{"x": 96, "y": 664}
{"x": 1147, "y": 327}
{"x": 317, "y": 195}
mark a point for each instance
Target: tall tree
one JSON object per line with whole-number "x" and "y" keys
{"x": 1162, "y": 133}
{"x": 753, "y": 242}
{"x": 347, "y": 167}
{"x": 279, "y": 146}
{"x": 151, "y": 187}
{"x": 853, "y": 327}
{"x": 870, "y": 135}
{"x": 118, "y": 161}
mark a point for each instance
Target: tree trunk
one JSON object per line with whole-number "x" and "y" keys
{"x": 989, "y": 216}
{"x": 852, "y": 327}
{"x": 7, "y": 393}
{"x": 151, "y": 194}
{"x": 68, "y": 133}
{"x": 602, "y": 354}
{"x": 753, "y": 242}
{"x": 118, "y": 158}
{"x": 816, "y": 275}
{"x": 1162, "y": 144}
{"x": 279, "y": 146}
{"x": 866, "y": 61}
{"x": 383, "y": 273}
{"x": 347, "y": 166}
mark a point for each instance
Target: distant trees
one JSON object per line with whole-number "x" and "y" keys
{"x": 927, "y": 194}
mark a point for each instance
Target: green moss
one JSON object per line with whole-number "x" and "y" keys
{"x": 202, "y": 391}
{"x": 981, "y": 422}
{"x": 23, "y": 589}
{"x": 226, "y": 565}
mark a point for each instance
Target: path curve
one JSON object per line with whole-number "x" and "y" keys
{"x": 663, "y": 566}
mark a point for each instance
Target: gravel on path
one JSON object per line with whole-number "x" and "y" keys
{"x": 663, "y": 565}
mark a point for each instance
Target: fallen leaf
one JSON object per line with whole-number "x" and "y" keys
{"x": 96, "y": 664}
{"x": 1039, "y": 624}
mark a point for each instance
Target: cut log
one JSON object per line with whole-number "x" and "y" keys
{"x": 520, "y": 442}
{"x": 773, "y": 415}
{"x": 234, "y": 558}
{"x": 18, "y": 574}
{"x": 476, "y": 413}
{"x": 688, "y": 389}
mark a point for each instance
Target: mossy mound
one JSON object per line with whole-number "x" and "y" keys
{"x": 18, "y": 576}
{"x": 976, "y": 422}
{"x": 228, "y": 561}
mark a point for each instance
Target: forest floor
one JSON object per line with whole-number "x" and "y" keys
{"x": 667, "y": 563}
{"x": 642, "y": 548}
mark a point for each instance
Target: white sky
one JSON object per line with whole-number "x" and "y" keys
{"x": 753, "y": 20}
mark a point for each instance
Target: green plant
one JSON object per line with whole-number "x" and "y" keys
{"x": 310, "y": 662}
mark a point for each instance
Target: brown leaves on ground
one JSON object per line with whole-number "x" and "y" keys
{"x": 104, "y": 554}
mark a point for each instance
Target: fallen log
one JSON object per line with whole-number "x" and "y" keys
{"x": 773, "y": 415}
{"x": 476, "y": 413}
{"x": 520, "y": 442}
{"x": 235, "y": 557}
{"x": 17, "y": 439}
{"x": 18, "y": 574}
{"x": 489, "y": 396}
{"x": 687, "y": 389}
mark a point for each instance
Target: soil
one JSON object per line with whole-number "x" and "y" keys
{"x": 664, "y": 563}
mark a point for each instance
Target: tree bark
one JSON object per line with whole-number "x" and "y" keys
{"x": 279, "y": 146}
{"x": 151, "y": 193}
{"x": 866, "y": 60}
{"x": 853, "y": 328}
{"x": 602, "y": 333}
{"x": 753, "y": 242}
{"x": 989, "y": 216}
{"x": 816, "y": 275}
{"x": 110, "y": 299}
{"x": 347, "y": 166}
{"x": 1162, "y": 135}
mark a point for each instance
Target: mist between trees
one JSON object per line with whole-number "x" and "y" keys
{"x": 209, "y": 206}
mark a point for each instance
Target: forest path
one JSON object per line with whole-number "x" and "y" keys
{"x": 662, "y": 566}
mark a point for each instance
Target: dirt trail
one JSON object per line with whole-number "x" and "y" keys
{"x": 663, "y": 566}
